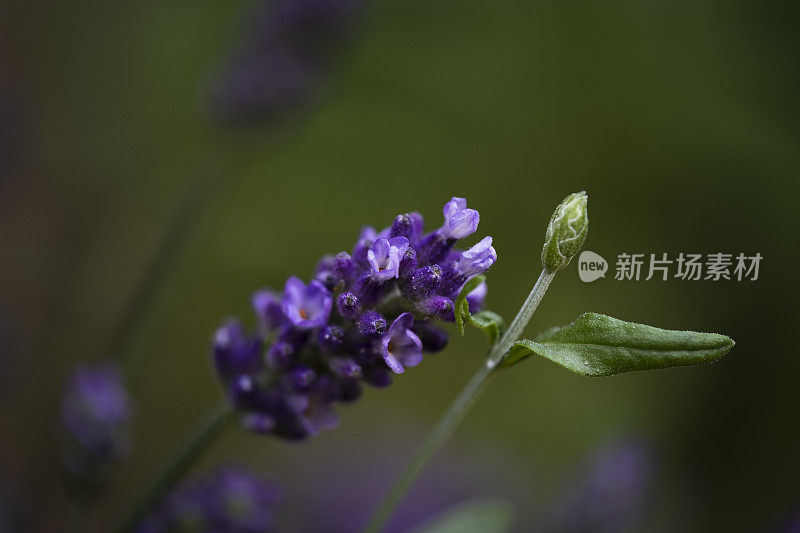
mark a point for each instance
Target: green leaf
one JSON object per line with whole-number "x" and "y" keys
{"x": 599, "y": 345}
{"x": 490, "y": 322}
{"x": 481, "y": 516}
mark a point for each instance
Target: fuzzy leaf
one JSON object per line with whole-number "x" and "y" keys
{"x": 599, "y": 345}
{"x": 482, "y": 516}
{"x": 490, "y": 322}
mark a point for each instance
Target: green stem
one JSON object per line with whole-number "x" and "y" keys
{"x": 212, "y": 425}
{"x": 458, "y": 410}
{"x": 514, "y": 331}
{"x": 162, "y": 263}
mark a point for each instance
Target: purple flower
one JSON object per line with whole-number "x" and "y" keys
{"x": 384, "y": 257}
{"x": 477, "y": 259}
{"x": 610, "y": 493}
{"x": 269, "y": 310}
{"x": 232, "y": 500}
{"x": 366, "y": 238}
{"x": 318, "y": 417}
{"x": 286, "y": 379}
{"x": 400, "y": 346}
{"x": 306, "y": 306}
{"x": 459, "y": 222}
{"x": 235, "y": 352}
{"x": 96, "y": 414}
{"x": 409, "y": 226}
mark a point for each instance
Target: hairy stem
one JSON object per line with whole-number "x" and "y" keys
{"x": 514, "y": 331}
{"x": 458, "y": 410}
{"x": 191, "y": 450}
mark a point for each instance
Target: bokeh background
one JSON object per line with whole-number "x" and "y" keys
{"x": 680, "y": 119}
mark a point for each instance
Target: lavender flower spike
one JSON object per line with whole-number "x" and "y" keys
{"x": 384, "y": 257}
{"x": 307, "y": 355}
{"x": 309, "y": 306}
{"x": 400, "y": 346}
{"x": 477, "y": 259}
{"x": 459, "y": 222}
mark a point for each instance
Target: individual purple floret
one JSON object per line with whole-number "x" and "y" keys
{"x": 477, "y": 259}
{"x": 231, "y": 500}
{"x": 96, "y": 416}
{"x": 400, "y": 346}
{"x": 459, "y": 222}
{"x": 309, "y": 306}
{"x": 384, "y": 257}
{"x": 308, "y": 354}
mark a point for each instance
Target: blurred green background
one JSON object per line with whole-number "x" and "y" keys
{"x": 681, "y": 120}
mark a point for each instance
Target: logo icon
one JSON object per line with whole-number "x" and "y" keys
{"x": 591, "y": 266}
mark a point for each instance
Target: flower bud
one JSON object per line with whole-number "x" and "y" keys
{"x": 566, "y": 232}
{"x": 371, "y": 323}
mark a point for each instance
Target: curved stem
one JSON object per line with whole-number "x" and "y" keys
{"x": 458, "y": 410}
{"x": 212, "y": 425}
{"x": 161, "y": 265}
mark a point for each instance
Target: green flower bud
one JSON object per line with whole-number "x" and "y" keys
{"x": 566, "y": 232}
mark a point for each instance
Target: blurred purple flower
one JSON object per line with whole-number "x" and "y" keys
{"x": 284, "y": 55}
{"x": 96, "y": 417}
{"x": 231, "y": 500}
{"x": 338, "y": 486}
{"x": 610, "y": 494}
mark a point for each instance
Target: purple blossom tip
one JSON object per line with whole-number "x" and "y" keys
{"x": 384, "y": 257}
{"x": 400, "y": 346}
{"x": 477, "y": 259}
{"x": 459, "y": 221}
{"x": 308, "y": 306}
{"x": 409, "y": 226}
